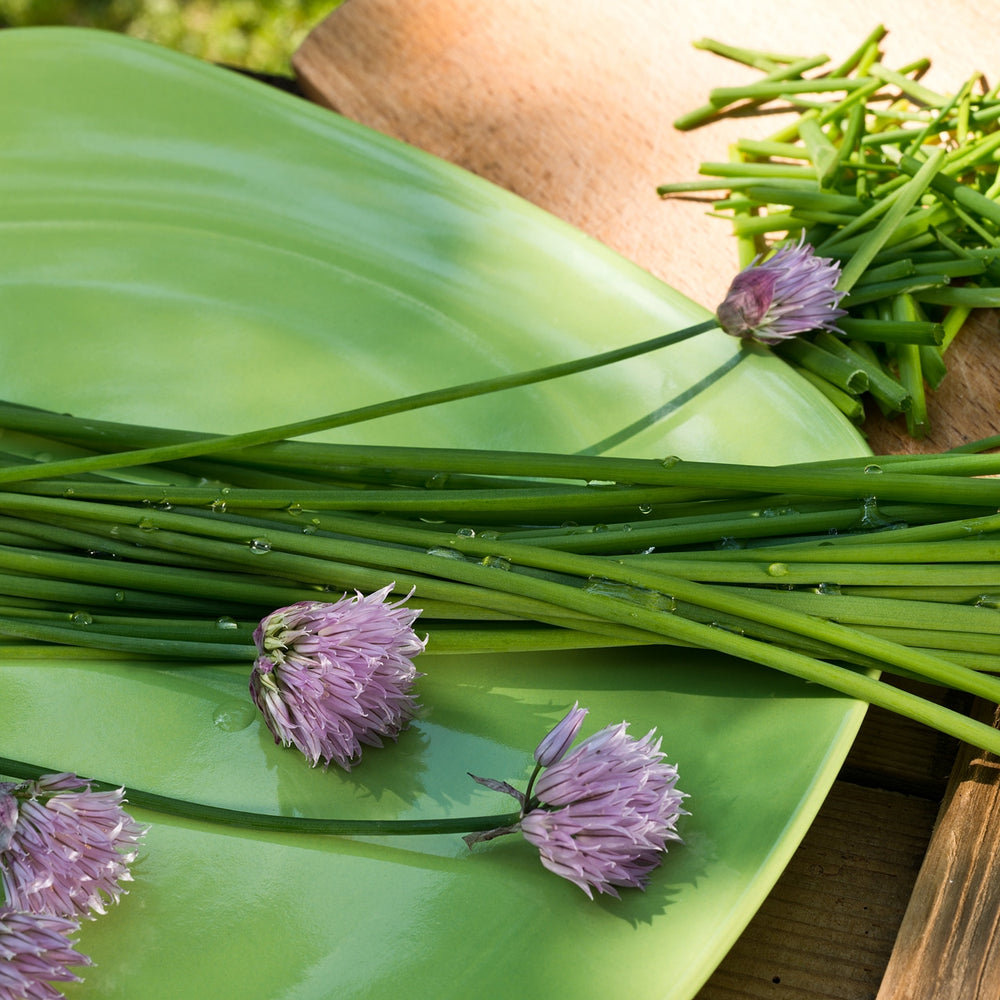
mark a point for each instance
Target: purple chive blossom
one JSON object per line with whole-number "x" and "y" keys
{"x": 601, "y": 814}
{"x": 332, "y": 677}
{"x": 36, "y": 951}
{"x": 791, "y": 292}
{"x": 65, "y": 848}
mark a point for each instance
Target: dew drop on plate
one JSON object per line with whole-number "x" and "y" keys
{"x": 234, "y": 715}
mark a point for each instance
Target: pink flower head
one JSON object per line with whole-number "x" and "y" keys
{"x": 331, "y": 677}
{"x": 606, "y": 811}
{"x": 601, "y": 814}
{"x": 791, "y": 292}
{"x": 35, "y": 951}
{"x": 559, "y": 739}
{"x": 65, "y": 848}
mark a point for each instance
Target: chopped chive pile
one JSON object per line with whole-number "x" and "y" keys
{"x": 895, "y": 181}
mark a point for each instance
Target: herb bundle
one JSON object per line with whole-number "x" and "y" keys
{"x": 889, "y": 177}
{"x": 833, "y": 572}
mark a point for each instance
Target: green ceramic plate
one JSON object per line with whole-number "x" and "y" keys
{"x": 183, "y": 246}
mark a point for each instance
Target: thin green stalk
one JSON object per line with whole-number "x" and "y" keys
{"x": 346, "y": 417}
{"x": 910, "y": 87}
{"x": 844, "y": 680}
{"x": 966, "y": 296}
{"x": 876, "y": 291}
{"x": 953, "y": 322}
{"x": 848, "y": 404}
{"x": 792, "y": 70}
{"x": 672, "y": 581}
{"x": 893, "y": 331}
{"x": 791, "y": 573}
{"x": 264, "y": 822}
{"x": 910, "y": 373}
{"x": 766, "y": 62}
{"x": 711, "y": 477}
{"x": 890, "y": 222}
{"x": 864, "y": 55}
{"x": 822, "y": 152}
{"x": 766, "y": 90}
{"x": 964, "y": 195}
{"x": 882, "y": 386}
{"x": 829, "y": 603}
{"x": 838, "y": 370}
{"x": 143, "y": 644}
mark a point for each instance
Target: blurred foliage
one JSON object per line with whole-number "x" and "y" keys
{"x": 258, "y": 35}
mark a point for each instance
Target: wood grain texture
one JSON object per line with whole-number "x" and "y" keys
{"x": 826, "y": 931}
{"x": 948, "y": 947}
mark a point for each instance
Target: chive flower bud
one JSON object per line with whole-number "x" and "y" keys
{"x": 559, "y": 739}
{"x": 64, "y": 849}
{"x": 789, "y": 293}
{"x": 601, "y": 814}
{"x": 36, "y": 951}
{"x": 332, "y": 677}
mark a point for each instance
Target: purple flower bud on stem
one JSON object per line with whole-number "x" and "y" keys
{"x": 69, "y": 848}
{"x": 332, "y": 677}
{"x": 36, "y": 951}
{"x": 606, "y": 811}
{"x": 791, "y": 292}
{"x": 555, "y": 744}
{"x": 601, "y": 814}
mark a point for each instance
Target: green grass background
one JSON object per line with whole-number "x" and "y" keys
{"x": 258, "y": 35}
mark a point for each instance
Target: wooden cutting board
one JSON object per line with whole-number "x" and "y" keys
{"x": 571, "y": 103}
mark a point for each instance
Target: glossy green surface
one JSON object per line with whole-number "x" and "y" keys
{"x": 186, "y": 247}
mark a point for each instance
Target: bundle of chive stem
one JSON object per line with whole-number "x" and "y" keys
{"x": 147, "y": 544}
{"x": 896, "y": 181}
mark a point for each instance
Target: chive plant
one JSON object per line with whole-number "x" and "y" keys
{"x": 892, "y": 179}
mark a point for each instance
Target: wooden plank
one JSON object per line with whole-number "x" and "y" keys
{"x": 898, "y": 754}
{"x": 948, "y": 946}
{"x": 826, "y": 931}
